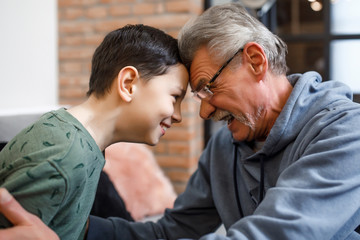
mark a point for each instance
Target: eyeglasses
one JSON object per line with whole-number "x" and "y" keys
{"x": 205, "y": 93}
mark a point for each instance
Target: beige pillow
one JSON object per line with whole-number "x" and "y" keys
{"x": 138, "y": 179}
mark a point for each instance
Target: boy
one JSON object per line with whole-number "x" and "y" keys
{"x": 136, "y": 86}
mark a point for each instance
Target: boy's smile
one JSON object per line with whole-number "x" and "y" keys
{"x": 156, "y": 104}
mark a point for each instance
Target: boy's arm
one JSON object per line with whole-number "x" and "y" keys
{"x": 26, "y": 225}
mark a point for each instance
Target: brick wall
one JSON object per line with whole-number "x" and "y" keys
{"x": 82, "y": 26}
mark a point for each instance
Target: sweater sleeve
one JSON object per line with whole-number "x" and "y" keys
{"x": 100, "y": 228}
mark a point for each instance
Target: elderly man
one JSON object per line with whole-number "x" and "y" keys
{"x": 287, "y": 164}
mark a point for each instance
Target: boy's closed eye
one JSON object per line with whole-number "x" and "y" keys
{"x": 179, "y": 96}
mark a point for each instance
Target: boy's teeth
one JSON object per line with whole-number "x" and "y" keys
{"x": 164, "y": 127}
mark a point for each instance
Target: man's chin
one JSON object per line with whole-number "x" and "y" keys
{"x": 242, "y": 134}
{"x": 238, "y": 137}
{"x": 238, "y": 130}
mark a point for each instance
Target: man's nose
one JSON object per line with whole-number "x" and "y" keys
{"x": 206, "y": 110}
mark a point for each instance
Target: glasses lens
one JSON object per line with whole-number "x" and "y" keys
{"x": 204, "y": 94}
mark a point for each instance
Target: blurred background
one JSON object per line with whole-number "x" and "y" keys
{"x": 46, "y": 48}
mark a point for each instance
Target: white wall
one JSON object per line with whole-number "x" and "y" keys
{"x": 28, "y": 54}
{"x": 345, "y": 17}
{"x": 344, "y": 63}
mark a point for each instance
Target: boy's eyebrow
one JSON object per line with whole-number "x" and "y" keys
{"x": 183, "y": 92}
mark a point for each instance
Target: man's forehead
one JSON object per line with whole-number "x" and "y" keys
{"x": 200, "y": 63}
{"x": 200, "y": 55}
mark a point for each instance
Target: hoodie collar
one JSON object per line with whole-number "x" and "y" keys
{"x": 308, "y": 90}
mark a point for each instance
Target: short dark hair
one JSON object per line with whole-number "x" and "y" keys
{"x": 150, "y": 50}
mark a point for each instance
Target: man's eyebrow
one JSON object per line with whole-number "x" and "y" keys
{"x": 199, "y": 85}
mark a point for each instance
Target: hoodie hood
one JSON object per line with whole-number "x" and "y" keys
{"x": 308, "y": 89}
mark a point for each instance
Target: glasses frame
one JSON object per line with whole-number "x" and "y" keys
{"x": 205, "y": 92}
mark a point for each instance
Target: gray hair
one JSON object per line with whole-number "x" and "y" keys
{"x": 226, "y": 28}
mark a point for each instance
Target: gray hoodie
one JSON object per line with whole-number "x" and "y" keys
{"x": 304, "y": 183}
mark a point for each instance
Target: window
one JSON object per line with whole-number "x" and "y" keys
{"x": 323, "y": 36}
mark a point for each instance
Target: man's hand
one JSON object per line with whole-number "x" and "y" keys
{"x": 26, "y": 225}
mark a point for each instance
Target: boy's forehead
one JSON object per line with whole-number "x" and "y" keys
{"x": 177, "y": 77}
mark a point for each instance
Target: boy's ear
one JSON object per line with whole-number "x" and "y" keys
{"x": 126, "y": 82}
{"x": 255, "y": 56}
